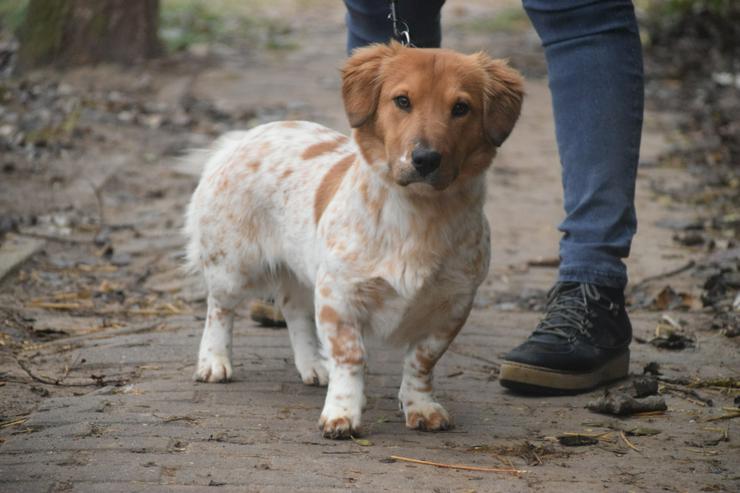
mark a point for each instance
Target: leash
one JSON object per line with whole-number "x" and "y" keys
{"x": 400, "y": 28}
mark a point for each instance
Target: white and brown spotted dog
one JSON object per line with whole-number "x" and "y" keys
{"x": 383, "y": 232}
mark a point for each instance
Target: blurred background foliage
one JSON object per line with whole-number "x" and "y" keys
{"x": 184, "y": 23}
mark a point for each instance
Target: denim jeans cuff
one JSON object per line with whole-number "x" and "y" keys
{"x": 609, "y": 279}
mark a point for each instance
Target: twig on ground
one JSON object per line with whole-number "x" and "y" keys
{"x": 59, "y": 239}
{"x": 730, "y": 413}
{"x": 690, "y": 264}
{"x": 171, "y": 419}
{"x": 649, "y": 413}
{"x": 474, "y": 356}
{"x": 97, "y": 190}
{"x": 462, "y": 467}
{"x": 57, "y": 306}
{"x": 14, "y": 422}
{"x": 98, "y": 380}
{"x": 627, "y": 442}
{"x": 688, "y": 394}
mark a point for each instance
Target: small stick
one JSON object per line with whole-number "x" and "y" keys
{"x": 663, "y": 275}
{"x": 12, "y": 422}
{"x": 649, "y": 413}
{"x": 627, "y": 442}
{"x": 474, "y": 356}
{"x": 58, "y": 382}
{"x": 457, "y": 466}
{"x": 732, "y": 413}
{"x": 539, "y": 461}
{"x": 57, "y": 306}
{"x": 60, "y": 239}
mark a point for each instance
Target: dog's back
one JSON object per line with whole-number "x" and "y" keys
{"x": 251, "y": 212}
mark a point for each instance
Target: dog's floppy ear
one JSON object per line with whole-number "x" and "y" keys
{"x": 503, "y": 93}
{"x": 361, "y": 81}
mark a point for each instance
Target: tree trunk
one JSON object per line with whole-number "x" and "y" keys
{"x": 76, "y": 32}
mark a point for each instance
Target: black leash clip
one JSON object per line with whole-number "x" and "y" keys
{"x": 400, "y": 28}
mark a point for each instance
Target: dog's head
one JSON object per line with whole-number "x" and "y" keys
{"x": 430, "y": 115}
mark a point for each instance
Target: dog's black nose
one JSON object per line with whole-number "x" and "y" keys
{"x": 425, "y": 160}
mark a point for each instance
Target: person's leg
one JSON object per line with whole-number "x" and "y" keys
{"x": 367, "y": 22}
{"x": 594, "y": 62}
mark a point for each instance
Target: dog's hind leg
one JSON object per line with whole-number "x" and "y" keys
{"x": 214, "y": 355}
{"x": 297, "y": 307}
{"x": 227, "y": 288}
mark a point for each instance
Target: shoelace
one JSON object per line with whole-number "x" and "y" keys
{"x": 567, "y": 309}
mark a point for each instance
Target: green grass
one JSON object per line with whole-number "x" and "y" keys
{"x": 11, "y": 14}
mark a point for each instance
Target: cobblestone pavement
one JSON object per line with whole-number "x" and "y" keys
{"x": 99, "y": 397}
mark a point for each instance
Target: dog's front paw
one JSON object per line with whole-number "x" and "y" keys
{"x": 314, "y": 373}
{"x": 338, "y": 428}
{"x": 213, "y": 369}
{"x": 426, "y": 416}
{"x": 338, "y": 421}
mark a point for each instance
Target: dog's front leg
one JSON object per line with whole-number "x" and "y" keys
{"x": 341, "y": 338}
{"x": 422, "y": 412}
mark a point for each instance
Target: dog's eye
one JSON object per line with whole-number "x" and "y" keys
{"x": 402, "y": 102}
{"x": 460, "y": 109}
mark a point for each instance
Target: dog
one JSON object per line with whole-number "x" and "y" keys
{"x": 384, "y": 232}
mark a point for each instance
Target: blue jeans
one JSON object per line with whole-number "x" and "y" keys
{"x": 594, "y": 61}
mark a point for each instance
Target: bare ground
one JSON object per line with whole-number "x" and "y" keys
{"x": 99, "y": 328}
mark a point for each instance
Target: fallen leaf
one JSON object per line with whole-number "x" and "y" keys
{"x": 642, "y": 432}
{"x": 577, "y": 440}
{"x": 362, "y": 442}
{"x": 623, "y": 404}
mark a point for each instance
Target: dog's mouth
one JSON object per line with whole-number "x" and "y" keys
{"x": 439, "y": 179}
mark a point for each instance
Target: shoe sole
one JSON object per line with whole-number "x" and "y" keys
{"x": 538, "y": 380}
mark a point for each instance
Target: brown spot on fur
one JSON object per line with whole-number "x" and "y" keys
{"x": 425, "y": 361}
{"x": 254, "y": 165}
{"x": 290, "y": 124}
{"x": 374, "y": 202}
{"x": 330, "y": 184}
{"x": 345, "y": 339}
{"x": 328, "y": 315}
{"x": 316, "y": 150}
{"x": 425, "y": 389}
{"x": 286, "y": 173}
{"x": 325, "y": 291}
{"x": 214, "y": 257}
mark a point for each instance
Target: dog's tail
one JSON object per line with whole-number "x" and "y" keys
{"x": 196, "y": 160}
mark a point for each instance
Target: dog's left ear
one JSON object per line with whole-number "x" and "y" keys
{"x": 504, "y": 90}
{"x": 361, "y": 81}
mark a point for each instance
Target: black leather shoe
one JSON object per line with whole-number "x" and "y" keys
{"x": 582, "y": 342}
